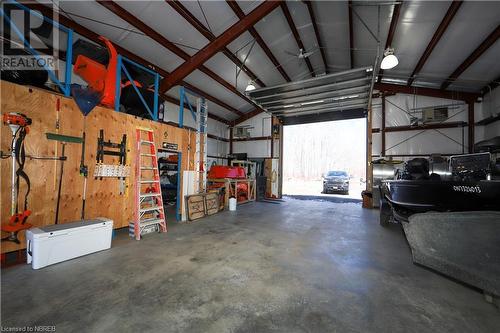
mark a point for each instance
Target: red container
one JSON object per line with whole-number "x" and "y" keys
{"x": 222, "y": 171}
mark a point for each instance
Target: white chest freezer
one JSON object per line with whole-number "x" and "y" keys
{"x": 55, "y": 243}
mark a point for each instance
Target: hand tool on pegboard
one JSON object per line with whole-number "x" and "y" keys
{"x": 18, "y": 123}
{"x": 64, "y": 139}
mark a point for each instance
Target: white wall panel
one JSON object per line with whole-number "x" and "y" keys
{"x": 261, "y": 148}
{"x": 395, "y": 116}
{"x": 444, "y": 141}
{"x": 491, "y": 103}
{"x": 492, "y": 130}
{"x": 217, "y": 148}
{"x": 490, "y": 107}
{"x": 376, "y": 116}
{"x": 376, "y": 144}
{"x": 427, "y": 142}
{"x": 261, "y": 125}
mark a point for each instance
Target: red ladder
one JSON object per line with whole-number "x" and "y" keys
{"x": 149, "y": 211}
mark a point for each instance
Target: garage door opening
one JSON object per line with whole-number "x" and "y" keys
{"x": 325, "y": 159}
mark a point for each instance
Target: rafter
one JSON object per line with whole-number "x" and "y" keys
{"x": 188, "y": 16}
{"x": 295, "y": 33}
{"x": 197, "y": 60}
{"x": 392, "y": 32}
{"x": 130, "y": 18}
{"x": 87, "y": 33}
{"x": 316, "y": 32}
{"x": 246, "y": 116}
{"x": 237, "y": 10}
{"x": 445, "y": 22}
{"x": 485, "y": 45}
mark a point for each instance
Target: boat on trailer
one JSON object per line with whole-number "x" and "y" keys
{"x": 452, "y": 219}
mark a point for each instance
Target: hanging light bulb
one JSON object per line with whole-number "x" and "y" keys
{"x": 390, "y": 60}
{"x": 250, "y": 86}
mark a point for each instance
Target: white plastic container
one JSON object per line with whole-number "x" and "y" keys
{"x": 232, "y": 204}
{"x": 56, "y": 243}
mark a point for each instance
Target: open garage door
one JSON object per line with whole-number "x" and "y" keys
{"x": 325, "y": 159}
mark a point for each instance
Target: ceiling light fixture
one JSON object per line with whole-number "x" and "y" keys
{"x": 250, "y": 87}
{"x": 390, "y": 60}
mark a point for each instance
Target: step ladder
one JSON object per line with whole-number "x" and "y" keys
{"x": 200, "y": 159}
{"x": 149, "y": 212}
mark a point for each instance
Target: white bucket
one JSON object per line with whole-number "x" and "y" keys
{"x": 232, "y": 204}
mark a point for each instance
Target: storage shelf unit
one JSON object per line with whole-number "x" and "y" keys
{"x": 231, "y": 188}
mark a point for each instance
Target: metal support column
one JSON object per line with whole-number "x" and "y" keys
{"x": 471, "y": 127}
{"x": 272, "y": 138}
{"x": 382, "y": 128}
{"x": 230, "y": 140}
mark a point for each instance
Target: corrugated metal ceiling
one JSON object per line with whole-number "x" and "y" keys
{"x": 417, "y": 23}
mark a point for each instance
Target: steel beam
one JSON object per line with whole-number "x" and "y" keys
{"x": 231, "y": 138}
{"x": 445, "y": 22}
{"x": 487, "y": 42}
{"x": 453, "y": 124}
{"x": 81, "y": 30}
{"x": 237, "y": 10}
{"x": 392, "y": 32}
{"x": 351, "y": 34}
{"x": 254, "y": 138}
{"x": 471, "y": 127}
{"x": 296, "y": 35}
{"x": 160, "y": 39}
{"x": 316, "y": 32}
{"x": 197, "y": 60}
{"x": 191, "y": 19}
{"x": 382, "y": 128}
{"x": 247, "y": 116}
{"x": 448, "y": 94}
{"x": 215, "y": 137}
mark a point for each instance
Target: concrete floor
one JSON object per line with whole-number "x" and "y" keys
{"x": 300, "y": 266}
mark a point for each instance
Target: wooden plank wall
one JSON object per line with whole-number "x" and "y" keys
{"x": 103, "y": 198}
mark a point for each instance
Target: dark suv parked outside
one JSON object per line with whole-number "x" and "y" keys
{"x": 336, "y": 181}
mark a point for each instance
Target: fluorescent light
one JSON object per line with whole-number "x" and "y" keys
{"x": 250, "y": 87}
{"x": 313, "y": 102}
{"x": 390, "y": 60}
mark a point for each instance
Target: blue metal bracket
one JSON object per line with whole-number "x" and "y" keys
{"x": 120, "y": 66}
{"x": 66, "y": 86}
{"x": 183, "y": 92}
